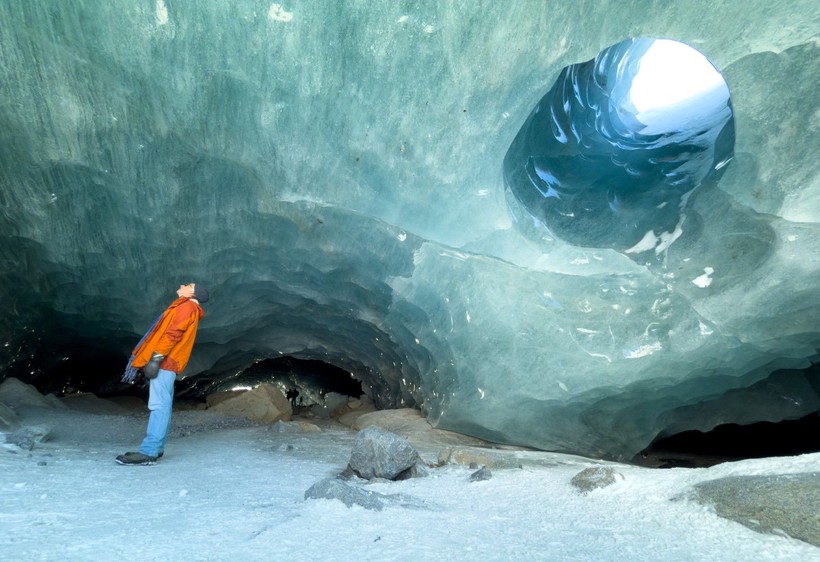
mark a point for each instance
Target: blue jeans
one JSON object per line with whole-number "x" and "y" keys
{"x": 160, "y": 403}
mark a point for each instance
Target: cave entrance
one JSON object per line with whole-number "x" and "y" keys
{"x": 732, "y": 442}
{"x": 307, "y": 382}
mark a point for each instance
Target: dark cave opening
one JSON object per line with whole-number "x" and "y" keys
{"x": 89, "y": 368}
{"x": 732, "y": 442}
{"x": 312, "y": 379}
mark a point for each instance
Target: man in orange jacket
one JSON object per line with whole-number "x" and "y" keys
{"x": 162, "y": 353}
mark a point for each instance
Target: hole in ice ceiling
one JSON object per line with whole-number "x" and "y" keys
{"x": 611, "y": 154}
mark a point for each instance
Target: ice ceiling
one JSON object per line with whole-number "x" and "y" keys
{"x": 478, "y": 209}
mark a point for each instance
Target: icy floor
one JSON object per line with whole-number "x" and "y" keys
{"x": 238, "y": 494}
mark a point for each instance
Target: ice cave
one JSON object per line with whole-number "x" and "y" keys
{"x": 579, "y": 226}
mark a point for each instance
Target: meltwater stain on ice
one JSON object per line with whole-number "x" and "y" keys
{"x": 611, "y": 154}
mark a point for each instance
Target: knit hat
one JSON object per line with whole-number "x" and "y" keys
{"x": 201, "y": 293}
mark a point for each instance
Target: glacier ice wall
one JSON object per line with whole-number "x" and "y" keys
{"x": 334, "y": 173}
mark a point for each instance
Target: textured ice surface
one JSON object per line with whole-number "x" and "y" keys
{"x": 335, "y": 173}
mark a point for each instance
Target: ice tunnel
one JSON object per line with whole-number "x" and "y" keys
{"x": 367, "y": 186}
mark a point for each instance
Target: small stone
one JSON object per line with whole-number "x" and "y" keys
{"x": 594, "y": 478}
{"x": 481, "y": 474}
{"x": 444, "y": 457}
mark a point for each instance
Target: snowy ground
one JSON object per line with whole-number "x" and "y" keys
{"x": 238, "y": 494}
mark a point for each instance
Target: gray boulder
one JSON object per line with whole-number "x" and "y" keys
{"x": 265, "y": 404}
{"x": 17, "y": 394}
{"x": 350, "y": 495}
{"x": 782, "y": 503}
{"x": 378, "y": 453}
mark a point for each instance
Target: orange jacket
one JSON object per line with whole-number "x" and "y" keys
{"x": 173, "y": 336}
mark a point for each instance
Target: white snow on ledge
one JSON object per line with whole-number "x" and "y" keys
{"x": 704, "y": 280}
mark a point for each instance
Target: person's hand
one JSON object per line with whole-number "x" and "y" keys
{"x": 151, "y": 368}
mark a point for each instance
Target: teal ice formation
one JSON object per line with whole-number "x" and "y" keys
{"x": 502, "y": 213}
